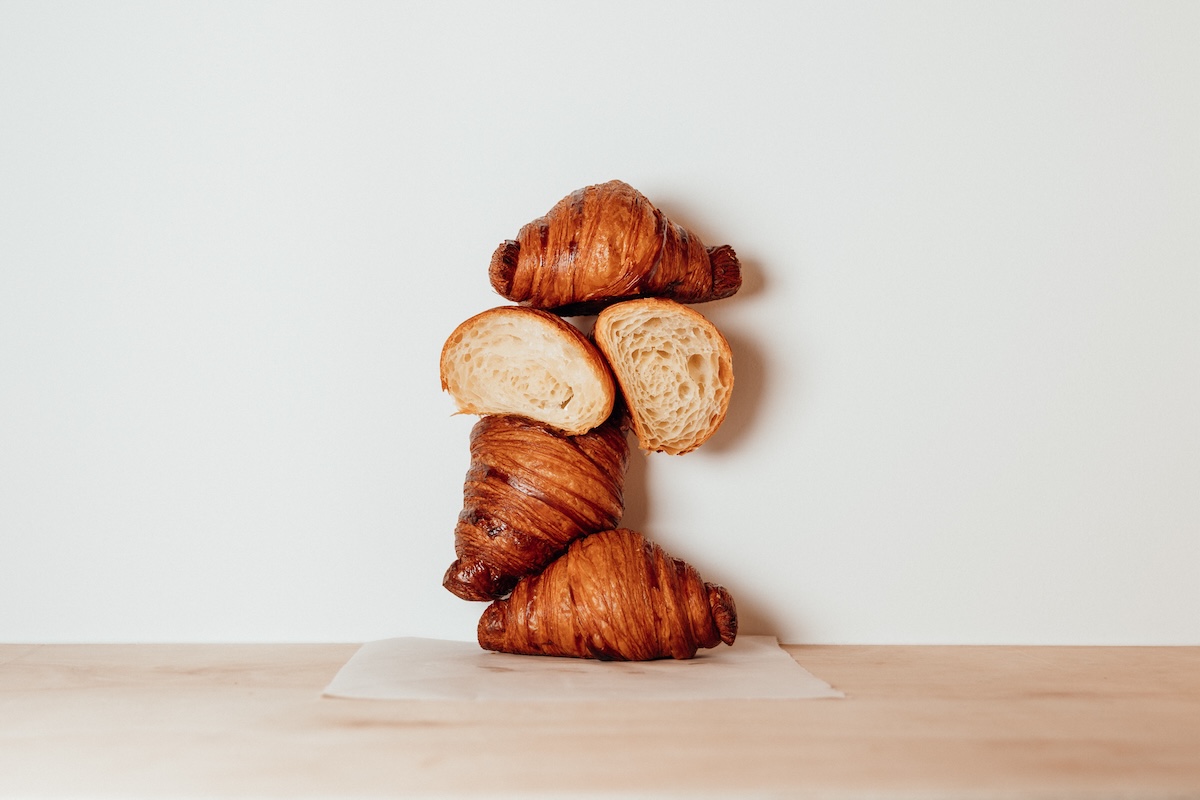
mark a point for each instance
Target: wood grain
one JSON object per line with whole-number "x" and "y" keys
{"x": 221, "y": 720}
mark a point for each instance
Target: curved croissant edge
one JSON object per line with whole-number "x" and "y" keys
{"x": 726, "y": 271}
{"x": 474, "y": 580}
{"x": 726, "y": 279}
{"x": 724, "y": 612}
{"x": 503, "y": 266}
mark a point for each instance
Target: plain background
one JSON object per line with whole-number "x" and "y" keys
{"x": 234, "y": 236}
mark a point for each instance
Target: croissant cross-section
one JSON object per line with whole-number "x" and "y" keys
{"x": 675, "y": 370}
{"x": 514, "y": 360}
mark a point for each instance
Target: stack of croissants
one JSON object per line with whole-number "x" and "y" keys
{"x": 539, "y": 531}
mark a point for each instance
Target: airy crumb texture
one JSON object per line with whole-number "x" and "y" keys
{"x": 514, "y": 360}
{"x": 675, "y": 370}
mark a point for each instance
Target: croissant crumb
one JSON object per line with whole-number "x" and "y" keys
{"x": 514, "y": 360}
{"x": 674, "y": 368}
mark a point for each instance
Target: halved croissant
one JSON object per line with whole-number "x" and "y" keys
{"x": 530, "y": 491}
{"x": 514, "y": 360}
{"x": 615, "y": 596}
{"x": 606, "y": 243}
{"x": 675, "y": 370}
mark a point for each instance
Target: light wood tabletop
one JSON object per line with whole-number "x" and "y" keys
{"x": 242, "y": 720}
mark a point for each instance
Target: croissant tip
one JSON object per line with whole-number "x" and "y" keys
{"x": 726, "y": 271}
{"x": 490, "y": 630}
{"x": 724, "y": 612}
{"x": 471, "y": 582}
{"x": 504, "y": 266}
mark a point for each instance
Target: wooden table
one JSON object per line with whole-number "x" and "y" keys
{"x": 223, "y": 720}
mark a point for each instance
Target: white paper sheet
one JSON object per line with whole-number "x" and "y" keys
{"x": 755, "y": 667}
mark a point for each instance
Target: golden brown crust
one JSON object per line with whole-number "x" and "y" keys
{"x": 606, "y": 243}
{"x": 530, "y": 491}
{"x": 613, "y": 595}
{"x": 504, "y": 266}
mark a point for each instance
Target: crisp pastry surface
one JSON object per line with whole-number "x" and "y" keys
{"x": 607, "y": 243}
{"x": 613, "y": 595}
{"x": 529, "y": 492}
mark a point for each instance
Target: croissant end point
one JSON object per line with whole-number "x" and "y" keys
{"x": 472, "y": 584}
{"x": 490, "y": 631}
{"x": 504, "y": 266}
{"x": 724, "y": 612}
{"x": 726, "y": 271}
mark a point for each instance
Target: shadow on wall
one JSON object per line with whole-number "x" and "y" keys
{"x": 749, "y": 375}
{"x": 637, "y": 496}
{"x": 753, "y": 278}
{"x": 755, "y": 614}
{"x": 749, "y": 387}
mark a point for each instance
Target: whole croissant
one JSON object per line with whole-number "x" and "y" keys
{"x": 530, "y": 491}
{"x": 607, "y": 243}
{"x": 615, "y": 596}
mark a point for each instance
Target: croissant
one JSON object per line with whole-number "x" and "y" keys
{"x": 606, "y": 243}
{"x": 529, "y": 492}
{"x": 514, "y": 360}
{"x": 612, "y": 596}
{"x": 675, "y": 370}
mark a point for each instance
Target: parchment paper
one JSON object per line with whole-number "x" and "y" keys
{"x": 409, "y": 668}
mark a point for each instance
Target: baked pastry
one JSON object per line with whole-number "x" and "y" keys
{"x": 530, "y": 491}
{"x": 606, "y": 243}
{"x": 514, "y": 360}
{"x": 612, "y": 596}
{"x": 674, "y": 369}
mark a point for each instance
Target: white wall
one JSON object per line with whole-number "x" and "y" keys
{"x": 233, "y": 238}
